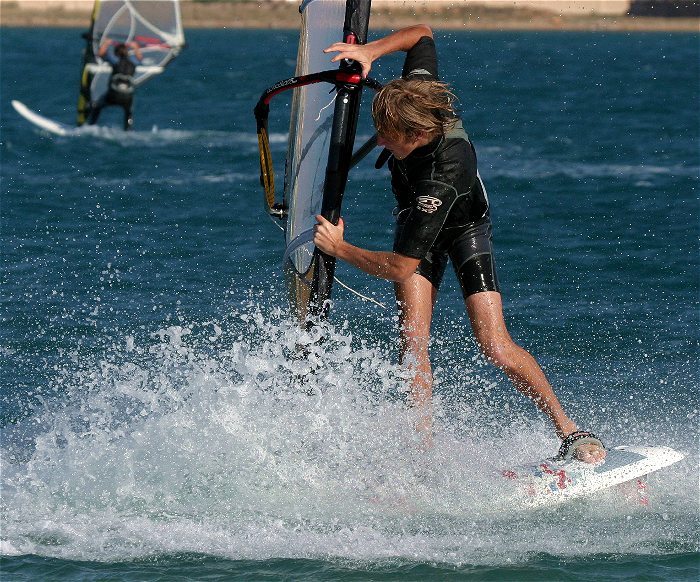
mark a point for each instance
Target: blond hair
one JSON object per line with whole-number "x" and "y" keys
{"x": 410, "y": 107}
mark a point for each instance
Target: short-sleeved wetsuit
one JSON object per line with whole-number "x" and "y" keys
{"x": 442, "y": 208}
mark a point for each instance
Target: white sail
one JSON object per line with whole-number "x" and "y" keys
{"x": 320, "y": 150}
{"x": 310, "y": 129}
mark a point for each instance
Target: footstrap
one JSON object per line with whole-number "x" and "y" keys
{"x": 574, "y": 441}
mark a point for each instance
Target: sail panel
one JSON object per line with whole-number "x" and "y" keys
{"x": 310, "y": 128}
{"x": 322, "y": 134}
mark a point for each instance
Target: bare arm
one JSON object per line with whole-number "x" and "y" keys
{"x": 387, "y": 265}
{"x": 366, "y": 54}
{"x": 137, "y": 50}
{"x": 103, "y": 48}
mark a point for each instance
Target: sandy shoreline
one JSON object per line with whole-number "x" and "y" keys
{"x": 285, "y": 15}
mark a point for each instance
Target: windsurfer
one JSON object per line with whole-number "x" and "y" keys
{"x": 120, "y": 91}
{"x": 442, "y": 213}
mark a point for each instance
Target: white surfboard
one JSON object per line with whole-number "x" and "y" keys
{"x": 551, "y": 482}
{"x": 55, "y": 127}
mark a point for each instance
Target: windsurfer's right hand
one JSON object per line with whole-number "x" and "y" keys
{"x": 360, "y": 53}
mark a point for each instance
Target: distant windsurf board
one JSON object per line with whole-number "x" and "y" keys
{"x": 551, "y": 482}
{"x": 55, "y": 127}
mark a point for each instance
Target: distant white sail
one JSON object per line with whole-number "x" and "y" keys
{"x": 156, "y": 25}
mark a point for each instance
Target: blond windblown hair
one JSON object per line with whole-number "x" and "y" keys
{"x": 406, "y": 108}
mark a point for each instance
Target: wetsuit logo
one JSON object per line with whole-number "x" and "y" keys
{"x": 428, "y": 204}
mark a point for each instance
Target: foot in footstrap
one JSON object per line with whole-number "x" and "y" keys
{"x": 583, "y": 446}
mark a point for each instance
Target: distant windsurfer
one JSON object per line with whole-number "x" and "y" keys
{"x": 442, "y": 213}
{"x": 124, "y": 58}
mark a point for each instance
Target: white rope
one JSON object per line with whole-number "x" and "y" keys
{"x": 275, "y": 221}
{"x": 335, "y": 94}
{"x": 363, "y": 297}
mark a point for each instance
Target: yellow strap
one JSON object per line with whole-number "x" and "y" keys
{"x": 266, "y": 171}
{"x": 82, "y": 101}
{"x": 83, "y": 97}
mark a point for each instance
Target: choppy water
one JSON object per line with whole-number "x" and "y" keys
{"x": 155, "y": 424}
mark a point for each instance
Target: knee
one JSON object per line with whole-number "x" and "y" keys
{"x": 502, "y": 354}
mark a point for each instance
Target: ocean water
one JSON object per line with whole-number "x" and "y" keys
{"x": 155, "y": 424}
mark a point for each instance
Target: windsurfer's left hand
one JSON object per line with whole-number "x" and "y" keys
{"x": 327, "y": 236}
{"x": 360, "y": 53}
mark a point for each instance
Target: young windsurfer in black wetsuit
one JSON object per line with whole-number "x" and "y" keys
{"x": 443, "y": 212}
{"x": 121, "y": 82}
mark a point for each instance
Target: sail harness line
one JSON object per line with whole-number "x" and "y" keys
{"x": 360, "y": 295}
{"x": 326, "y": 106}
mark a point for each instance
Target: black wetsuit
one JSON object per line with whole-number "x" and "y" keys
{"x": 120, "y": 91}
{"x": 442, "y": 208}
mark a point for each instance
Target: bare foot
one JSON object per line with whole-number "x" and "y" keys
{"x": 589, "y": 453}
{"x": 424, "y": 430}
{"x": 583, "y": 446}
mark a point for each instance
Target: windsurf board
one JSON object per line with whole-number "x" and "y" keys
{"x": 551, "y": 482}
{"x": 55, "y": 127}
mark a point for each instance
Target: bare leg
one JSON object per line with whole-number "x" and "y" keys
{"x": 94, "y": 112}
{"x": 486, "y": 316}
{"x": 415, "y": 299}
{"x": 128, "y": 117}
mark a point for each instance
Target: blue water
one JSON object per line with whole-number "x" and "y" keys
{"x": 154, "y": 424}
